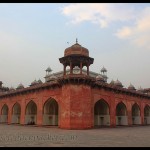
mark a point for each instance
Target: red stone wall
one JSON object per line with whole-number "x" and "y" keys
{"x": 39, "y": 97}
{"x": 76, "y": 104}
{"x": 113, "y": 99}
{"x": 76, "y": 110}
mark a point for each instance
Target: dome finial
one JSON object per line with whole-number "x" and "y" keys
{"x": 76, "y": 40}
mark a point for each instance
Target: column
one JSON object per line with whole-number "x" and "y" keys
{"x": 129, "y": 113}
{"x": 64, "y": 69}
{"x": 142, "y": 113}
{"x": 112, "y": 112}
{"x": 39, "y": 117}
{"x": 88, "y": 69}
{"x": 80, "y": 67}
{"x": 129, "y": 117}
{"x": 71, "y": 69}
{"x": 22, "y": 116}
{"x": 112, "y": 117}
{"x": 9, "y": 114}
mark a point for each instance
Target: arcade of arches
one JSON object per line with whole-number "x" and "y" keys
{"x": 75, "y": 100}
{"x": 50, "y": 113}
{"x": 102, "y": 114}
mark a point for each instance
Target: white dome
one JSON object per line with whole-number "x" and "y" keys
{"x": 131, "y": 87}
{"x": 20, "y": 86}
{"x": 39, "y": 81}
{"x": 112, "y": 82}
{"x": 118, "y": 83}
{"x": 34, "y": 82}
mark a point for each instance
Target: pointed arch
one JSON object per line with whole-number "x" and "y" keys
{"x": 101, "y": 113}
{"x": 4, "y": 114}
{"x": 121, "y": 109}
{"x": 16, "y": 112}
{"x": 147, "y": 110}
{"x": 135, "y": 110}
{"x": 121, "y": 114}
{"x": 50, "y": 107}
{"x": 31, "y": 108}
{"x": 50, "y": 112}
{"x": 4, "y": 110}
{"x": 136, "y": 118}
{"x": 16, "y": 109}
{"x": 101, "y": 107}
{"x": 31, "y": 113}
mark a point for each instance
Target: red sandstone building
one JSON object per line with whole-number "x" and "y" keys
{"x": 75, "y": 98}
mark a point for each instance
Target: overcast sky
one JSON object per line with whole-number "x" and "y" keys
{"x": 34, "y": 36}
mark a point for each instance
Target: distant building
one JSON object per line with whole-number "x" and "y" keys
{"x": 75, "y": 98}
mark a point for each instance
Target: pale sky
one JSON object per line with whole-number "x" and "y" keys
{"x": 34, "y": 36}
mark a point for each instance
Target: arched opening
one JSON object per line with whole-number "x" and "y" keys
{"x": 136, "y": 118}
{"x": 76, "y": 70}
{"x": 84, "y": 68}
{"x": 31, "y": 113}
{"x": 50, "y": 112}
{"x": 16, "y": 112}
{"x": 101, "y": 113}
{"x": 146, "y": 115}
{"x": 121, "y": 114}
{"x": 67, "y": 69}
{"x": 4, "y": 114}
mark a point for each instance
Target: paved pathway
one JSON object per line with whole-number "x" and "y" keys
{"x": 29, "y": 136}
